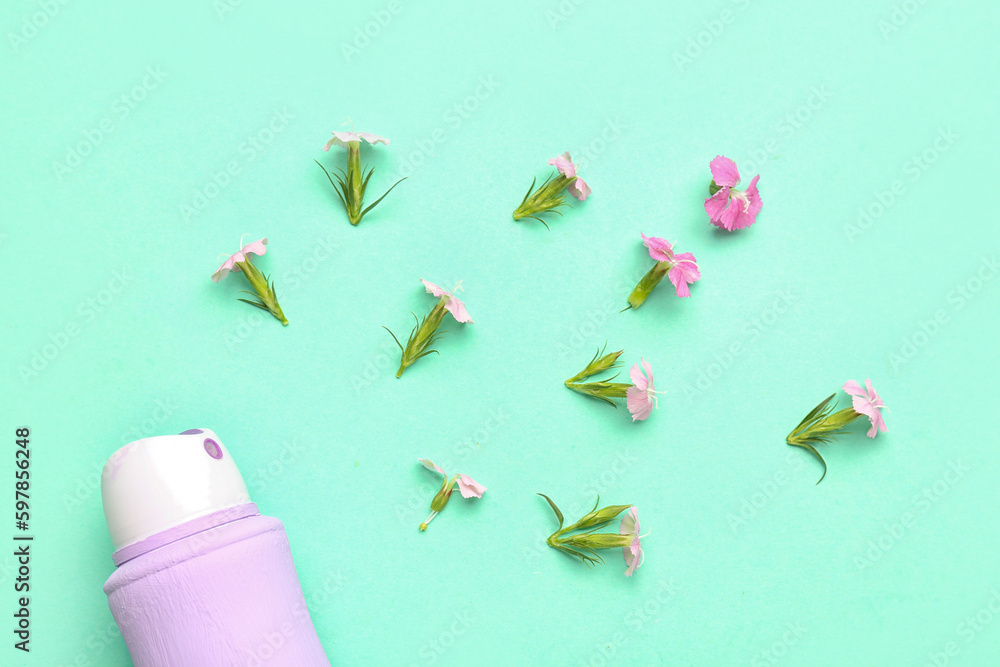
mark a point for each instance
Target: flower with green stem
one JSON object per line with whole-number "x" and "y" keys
{"x": 468, "y": 487}
{"x": 549, "y": 195}
{"x": 823, "y": 425}
{"x": 266, "y": 299}
{"x": 640, "y": 394}
{"x": 681, "y": 268}
{"x": 425, "y": 332}
{"x": 350, "y": 186}
{"x": 585, "y": 543}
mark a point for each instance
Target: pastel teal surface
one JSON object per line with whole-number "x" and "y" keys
{"x": 873, "y": 127}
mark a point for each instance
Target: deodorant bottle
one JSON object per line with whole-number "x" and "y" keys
{"x": 202, "y": 579}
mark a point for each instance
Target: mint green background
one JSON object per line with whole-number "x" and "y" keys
{"x": 744, "y": 545}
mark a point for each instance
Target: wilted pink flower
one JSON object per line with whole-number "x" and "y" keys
{"x": 469, "y": 488}
{"x": 255, "y": 248}
{"x": 641, "y": 397}
{"x": 632, "y": 553}
{"x": 345, "y": 138}
{"x": 730, "y": 208}
{"x": 454, "y": 305}
{"x": 867, "y": 402}
{"x": 578, "y": 188}
{"x": 683, "y": 266}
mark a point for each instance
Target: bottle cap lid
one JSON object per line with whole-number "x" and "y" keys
{"x": 154, "y": 484}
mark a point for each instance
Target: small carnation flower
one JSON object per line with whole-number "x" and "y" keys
{"x": 264, "y": 289}
{"x": 680, "y": 268}
{"x": 727, "y": 207}
{"x": 425, "y": 333}
{"x": 351, "y": 186}
{"x": 468, "y": 487}
{"x": 586, "y": 541}
{"x": 823, "y": 424}
{"x": 549, "y": 195}
{"x": 640, "y": 395}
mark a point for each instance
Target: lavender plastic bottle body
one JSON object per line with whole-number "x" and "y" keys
{"x": 215, "y": 591}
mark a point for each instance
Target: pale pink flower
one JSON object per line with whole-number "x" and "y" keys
{"x": 867, "y": 402}
{"x": 255, "y": 248}
{"x": 430, "y": 465}
{"x": 454, "y": 304}
{"x": 683, "y": 267}
{"x": 633, "y": 552}
{"x": 730, "y": 208}
{"x": 578, "y": 188}
{"x": 641, "y": 397}
{"x": 469, "y": 487}
{"x": 345, "y": 138}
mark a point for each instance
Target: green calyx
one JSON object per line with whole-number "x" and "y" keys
{"x": 548, "y": 197}
{"x": 423, "y": 335}
{"x": 584, "y": 545}
{"x": 266, "y": 299}
{"x": 351, "y": 186}
{"x": 647, "y": 284}
{"x": 820, "y": 426}
{"x": 604, "y": 390}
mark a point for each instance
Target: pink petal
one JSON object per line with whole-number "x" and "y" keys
{"x": 633, "y": 556}
{"x": 564, "y": 164}
{"x": 746, "y": 212}
{"x": 639, "y": 403}
{"x": 457, "y": 309}
{"x": 724, "y": 171}
{"x": 638, "y": 379}
{"x": 659, "y": 249}
{"x": 470, "y": 488}
{"x": 715, "y": 204}
{"x": 729, "y": 217}
{"x": 579, "y": 189}
{"x": 427, "y": 463}
{"x": 853, "y": 388}
{"x": 328, "y": 144}
{"x": 684, "y": 271}
{"x": 630, "y": 523}
{"x": 649, "y": 373}
{"x": 373, "y": 138}
{"x": 255, "y": 248}
{"x": 434, "y": 289}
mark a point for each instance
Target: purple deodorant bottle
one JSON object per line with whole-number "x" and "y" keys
{"x": 202, "y": 579}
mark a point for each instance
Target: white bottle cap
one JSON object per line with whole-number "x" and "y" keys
{"x": 157, "y": 483}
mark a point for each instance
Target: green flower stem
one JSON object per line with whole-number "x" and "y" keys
{"x": 422, "y": 337}
{"x": 354, "y": 173}
{"x": 602, "y": 390}
{"x": 546, "y": 198}
{"x": 648, "y": 282}
{"x": 267, "y": 299}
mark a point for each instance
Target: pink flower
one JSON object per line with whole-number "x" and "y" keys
{"x": 641, "y": 397}
{"x": 469, "y": 487}
{"x": 255, "y": 248}
{"x": 632, "y": 553}
{"x": 867, "y": 402}
{"x": 578, "y": 187}
{"x": 683, "y": 267}
{"x": 730, "y": 208}
{"x": 454, "y": 305}
{"x": 345, "y": 138}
